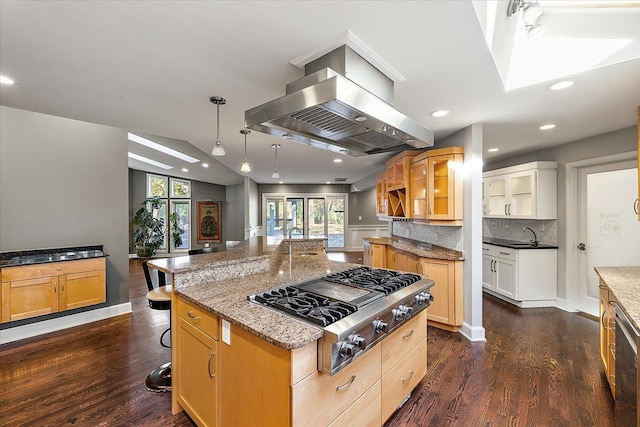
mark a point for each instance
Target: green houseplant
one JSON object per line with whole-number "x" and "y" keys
{"x": 149, "y": 234}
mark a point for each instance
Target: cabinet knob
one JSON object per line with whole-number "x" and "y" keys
{"x": 582, "y": 247}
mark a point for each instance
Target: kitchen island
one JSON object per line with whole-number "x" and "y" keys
{"x": 239, "y": 363}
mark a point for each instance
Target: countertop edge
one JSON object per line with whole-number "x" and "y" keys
{"x": 621, "y": 282}
{"x": 438, "y": 253}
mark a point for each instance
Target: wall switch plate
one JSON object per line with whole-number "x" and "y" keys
{"x": 206, "y": 245}
{"x": 359, "y": 217}
{"x": 226, "y": 332}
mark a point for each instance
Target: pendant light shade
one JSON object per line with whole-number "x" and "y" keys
{"x": 218, "y": 149}
{"x": 275, "y": 173}
{"x": 245, "y": 167}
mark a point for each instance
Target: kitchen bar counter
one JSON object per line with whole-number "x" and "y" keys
{"x": 624, "y": 282}
{"x": 424, "y": 250}
{"x": 40, "y": 256}
{"x": 220, "y": 283}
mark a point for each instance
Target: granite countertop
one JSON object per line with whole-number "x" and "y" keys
{"x": 226, "y": 295}
{"x": 41, "y": 256}
{"x": 424, "y": 250}
{"x": 624, "y": 282}
{"x": 515, "y": 244}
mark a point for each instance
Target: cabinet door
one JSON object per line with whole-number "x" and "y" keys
{"x": 505, "y": 271}
{"x": 522, "y": 195}
{"x": 603, "y": 328}
{"x": 381, "y": 195}
{"x": 378, "y": 256}
{"x": 418, "y": 201}
{"x": 82, "y": 289}
{"x": 442, "y": 307}
{"x": 441, "y": 187}
{"x": 197, "y": 387}
{"x": 366, "y": 253}
{"x": 22, "y": 299}
{"x": 496, "y": 196}
{"x": 488, "y": 274}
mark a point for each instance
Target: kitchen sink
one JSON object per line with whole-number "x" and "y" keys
{"x": 523, "y": 245}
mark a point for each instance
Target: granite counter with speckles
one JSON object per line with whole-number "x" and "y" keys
{"x": 220, "y": 283}
{"x": 424, "y": 250}
{"x": 624, "y": 282}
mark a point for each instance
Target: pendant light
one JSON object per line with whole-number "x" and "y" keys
{"x": 218, "y": 149}
{"x": 246, "y": 168}
{"x": 276, "y": 174}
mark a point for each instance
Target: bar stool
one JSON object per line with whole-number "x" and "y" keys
{"x": 159, "y": 298}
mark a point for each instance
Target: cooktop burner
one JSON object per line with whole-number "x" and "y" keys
{"x": 314, "y": 308}
{"x": 385, "y": 281}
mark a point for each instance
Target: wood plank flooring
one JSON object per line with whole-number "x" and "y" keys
{"x": 539, "y": 367}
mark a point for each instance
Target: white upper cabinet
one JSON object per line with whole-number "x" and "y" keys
{"x": 523, "y": 191}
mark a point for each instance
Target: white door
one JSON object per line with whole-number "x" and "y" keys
{"x": 609, "y": 232}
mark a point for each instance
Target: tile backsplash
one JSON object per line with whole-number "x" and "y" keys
{"x": 513, "y": 229}
{"x": 449, "y": 237}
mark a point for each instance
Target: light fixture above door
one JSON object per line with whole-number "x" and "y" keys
{"x": 245, "y": 167}
{"x": 275, "y": 174}
{"x": 218, "y": 149}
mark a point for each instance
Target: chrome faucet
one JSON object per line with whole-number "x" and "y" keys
{"x": 533, "y": 242}
{"x": 290, "y": 245}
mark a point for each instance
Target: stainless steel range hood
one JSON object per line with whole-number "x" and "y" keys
{"x": 327, "y": 109}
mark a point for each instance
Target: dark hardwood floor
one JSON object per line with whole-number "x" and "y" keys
{"x": 539, "y": 367}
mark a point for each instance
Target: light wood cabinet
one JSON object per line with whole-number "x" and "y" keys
{"x": 398, "y": 184}
{"x": 381, "y": 195}
{"x": 524, "y": 191}
{"x": 607, "y": 330}
{"x": 35, "y": 290}
{"x": 525, "y": 277}
{"x": 445, "y": 311}
{"x": 195, "y": 366}
{"x": 436, "y": 187}
{"x": 374, "y": 255}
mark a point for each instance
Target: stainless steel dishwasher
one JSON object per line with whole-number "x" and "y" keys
{"x": 626, "y": 409}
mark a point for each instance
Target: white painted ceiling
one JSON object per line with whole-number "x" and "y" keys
{"x": 151, "y": 66}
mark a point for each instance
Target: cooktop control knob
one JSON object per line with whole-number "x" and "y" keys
{"x": 348, "y": 349}
{"x": 398, "y": 314}
{"x": 357, "y": 340}
{"x": 380, "y": 327}
{"x": 408, "y": 311}
{"x": 423, "y": 298}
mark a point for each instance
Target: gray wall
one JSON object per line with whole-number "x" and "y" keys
{"x": 199, "y": 191}
{"x": 252, "y": 204}
{"x": 363, "y": 204}
{"x": 64, "y": 183}
{"x": 620, "y": 141}
{"x": 234, "y": 213}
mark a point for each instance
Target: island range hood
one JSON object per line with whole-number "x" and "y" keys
{"x": 343, "y": 104}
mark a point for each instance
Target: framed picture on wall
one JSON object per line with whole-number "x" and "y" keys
{"x": 208, "y": 221}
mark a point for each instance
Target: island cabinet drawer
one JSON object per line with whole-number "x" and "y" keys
{"x": 51, "y": 269}
{"x": 402, "y": 340}
{"x": 404, "y": 377}
{"x": 320, "y": 398}
{"x": 198, "y": 317}
{"x": 364, "y": 412}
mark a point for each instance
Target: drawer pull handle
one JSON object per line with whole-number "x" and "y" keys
{"x": 612, "y": 380}
{"x": 505, "y": 253}
{"x": 347, "y": 384}
{"x": 404, "y": 380}
{"x": 404, "y": 337}
{"x": 209, "y": 364}
{"x": 193, "y": 316}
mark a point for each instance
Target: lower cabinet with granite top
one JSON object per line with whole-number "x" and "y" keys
{"x": 607, "y": 331}
{"x": 249, "y": 381}
{"x": 45, "y": 288}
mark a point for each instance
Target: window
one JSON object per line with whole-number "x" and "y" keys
{"x": 157, "y": 186}
{"x": 183, "y": 209}
{"x": 180, "y": 188}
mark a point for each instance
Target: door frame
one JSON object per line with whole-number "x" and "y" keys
{"x": 572, "y": 231}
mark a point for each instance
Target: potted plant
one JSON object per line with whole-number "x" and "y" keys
{"x": 149, "y": 233}
{"x": 176, "y": 229}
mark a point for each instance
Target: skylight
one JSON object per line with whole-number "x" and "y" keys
{"x": 149, "y": 161}
{"x": 158, "y": 147}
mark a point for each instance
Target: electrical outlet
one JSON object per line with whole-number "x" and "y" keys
{"x": 359, "y": 217}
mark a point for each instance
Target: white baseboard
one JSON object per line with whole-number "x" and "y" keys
{"x": 59, "y": 323}
{"x": 566, "y": 305}
{"x": 473, "y": 333}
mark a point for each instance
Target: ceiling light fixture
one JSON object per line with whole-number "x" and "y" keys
{"x": 561, "y": 85}
{"x": 547, "y": 126}
{"x": 337, "y": 160}
{"x": 531, "y": 12}
{"x": 218, "y": 149}
{"x": 275, "y": 173}
{"x": 205, "y": 165}
{"x": 439, "y": 113}
{"x": 185, "y": 170}
{"x": 493, "y": 150}
{"x": 6, "y": 80}
{"x": 246, "y": 167}
{"x": 159, "y": 147}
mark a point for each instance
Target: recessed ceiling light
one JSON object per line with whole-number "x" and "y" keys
{"x": 547, "y": 126}
{"x": 205, "y": 165}
{"x": 493, "y": 150}
{"x": 327, "y": 182}
{"x": 185, "y": 170}
{"x": 280, "y": 182}
{"x": 6, "y": 80}
{"x": 361, "y": 119}
{"x": 561, "y": 85}
{"x": 337, "y": 160}
{"x": 439, "y": 113}
{"x": 159, "y": 147}
{"x": 149, "y": 161}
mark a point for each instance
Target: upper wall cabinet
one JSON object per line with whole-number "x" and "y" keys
{"x": 398, "y": 184}
{"x": 381, "y": 195}
{"x": 436, "y": 188}
{"x": 525, "y": 191}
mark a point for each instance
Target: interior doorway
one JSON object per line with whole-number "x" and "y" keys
{"x": 608, "y": 230}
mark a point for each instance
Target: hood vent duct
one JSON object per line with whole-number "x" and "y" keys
{"x": 343, "y": 104}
